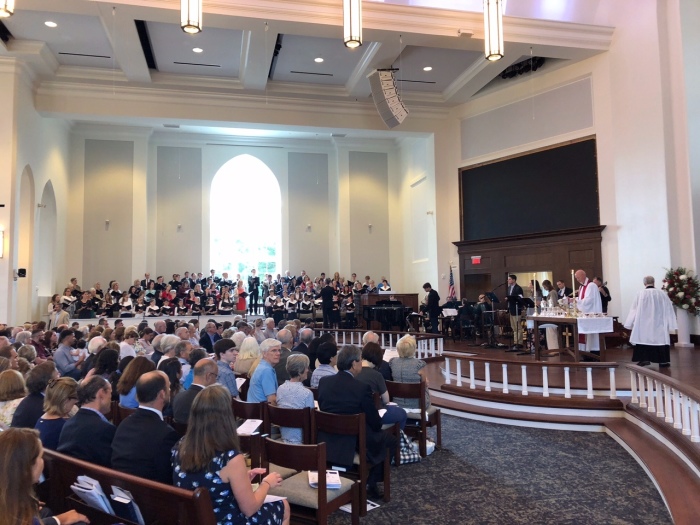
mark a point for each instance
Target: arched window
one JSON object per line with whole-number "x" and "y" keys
{"x": 245, "y": 218}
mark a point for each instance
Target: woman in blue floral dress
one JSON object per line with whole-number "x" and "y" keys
{"x": 209, "y": 456}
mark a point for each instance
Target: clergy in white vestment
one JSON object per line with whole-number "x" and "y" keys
{"x": 588, "y": 302}
{"x": 651, "y": 319}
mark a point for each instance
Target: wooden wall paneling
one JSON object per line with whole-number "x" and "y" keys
{"x": 558, "y": 252}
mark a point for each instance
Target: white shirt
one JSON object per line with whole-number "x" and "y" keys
{"x": 591, "y": 302}
{"x": 160, "y": 414}
{"x": 125, "y": 349}
{"x": 651, "y": 318}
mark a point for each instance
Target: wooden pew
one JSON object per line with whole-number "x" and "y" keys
{"x": 159, "y": 503}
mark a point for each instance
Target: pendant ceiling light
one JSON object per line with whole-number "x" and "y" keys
{"x": 352, "y": 23}
{"x": 190, "y": 16}
{"x": 493, "y": 29}
{"x": 7, "y": 8}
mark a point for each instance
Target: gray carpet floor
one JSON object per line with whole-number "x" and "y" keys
{"x": 499, "y": 474}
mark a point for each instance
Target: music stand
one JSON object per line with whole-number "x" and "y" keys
{"x": 492, "y": 342}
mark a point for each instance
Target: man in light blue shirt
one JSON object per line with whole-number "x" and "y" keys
{"x": 63, "y": 357}
{"x": 263, "y": 384}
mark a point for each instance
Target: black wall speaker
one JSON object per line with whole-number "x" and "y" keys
{"x": 386, "y": 97}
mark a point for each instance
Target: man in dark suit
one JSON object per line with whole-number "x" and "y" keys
{"x": 210, "y": 336}
{"x": 31, "y": 407}
{"x": 143, "y": 441}
{"x": 514, "y": 297}
{"x": 563, "y": 291}
{"x": 306, "y": 335}
{"x": 433, "y": 307}
{"x": 342, "y": 394}
{"x": 605, "y": 297}
{"x": 253, "y": 291}
{"x": 327, "y": 293}
{"x": 88, "y": 435}
{"x": 286, "y": 338}
{"x": 205, "y": 373}
{"x": 146, "y": 281}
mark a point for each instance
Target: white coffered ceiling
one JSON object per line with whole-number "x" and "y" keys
{"x": 256, "y": 47}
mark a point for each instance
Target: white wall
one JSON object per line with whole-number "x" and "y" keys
{"x": 418, "y": 206}
{"x": 632, "y": 137}
{"x": 369, "y": 214}
{"x": 179, "y": 211}
{"x": 40, "y": 146}
{"x": 145, "y": 188}
{"x": 309, "y": 220}
{"x": 108, "y": 212}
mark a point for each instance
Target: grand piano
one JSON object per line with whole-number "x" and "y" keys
{"x": 387, "y": 311}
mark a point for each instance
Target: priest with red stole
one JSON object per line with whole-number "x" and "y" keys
{"x": 588, "y": 301}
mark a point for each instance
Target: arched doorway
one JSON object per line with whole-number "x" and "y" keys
{"x": 45, "y": 247}
{"x": 245, "y": 218}
{"x": 25, "y": 240}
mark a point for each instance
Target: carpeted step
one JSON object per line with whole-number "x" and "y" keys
{"x": 677, "y": 483}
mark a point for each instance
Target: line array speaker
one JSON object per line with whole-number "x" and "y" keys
{"x": 386, "y": 97}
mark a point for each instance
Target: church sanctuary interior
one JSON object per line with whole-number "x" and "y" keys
{"x": 130, "y": 146}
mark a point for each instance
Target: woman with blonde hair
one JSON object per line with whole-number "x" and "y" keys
{"x": 248, "y": 353}
{"x": 61, "y": 397}
{"x": 12, "y": 392}
{"x": 21, "y": 453}
{"x": 210, "y": 456}
{"x": 407, "y": 369}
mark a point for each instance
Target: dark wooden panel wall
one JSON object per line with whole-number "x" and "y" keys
{"x": 558, "y": 252}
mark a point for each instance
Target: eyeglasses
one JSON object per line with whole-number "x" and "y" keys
{"x": 72, "y": 398}
{"x": 52, "y": 382}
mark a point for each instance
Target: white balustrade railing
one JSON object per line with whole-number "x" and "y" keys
{"x": 453, "y": 373}
{"x": 666, "y": 398}
{"x": 427, "y": 345}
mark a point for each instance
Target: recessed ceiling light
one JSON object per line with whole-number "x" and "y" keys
{"x": 197, "y": 49}
{"x": 49, "y": 23}
{"x": 427, "y": 68}
{"x": 318, "y": 60}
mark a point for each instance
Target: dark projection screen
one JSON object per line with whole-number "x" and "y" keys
{"x": 554, "y": 189}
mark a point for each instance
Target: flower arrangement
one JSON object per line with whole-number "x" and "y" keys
{"x": 683, "y": 288}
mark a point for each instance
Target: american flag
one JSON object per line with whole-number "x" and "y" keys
{"x": 451, "y": 295}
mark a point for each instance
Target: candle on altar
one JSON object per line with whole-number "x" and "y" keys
{"x": 534, "y": 293}
{"x": 573, "y": 285}
{"x": 534, "y": 287}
